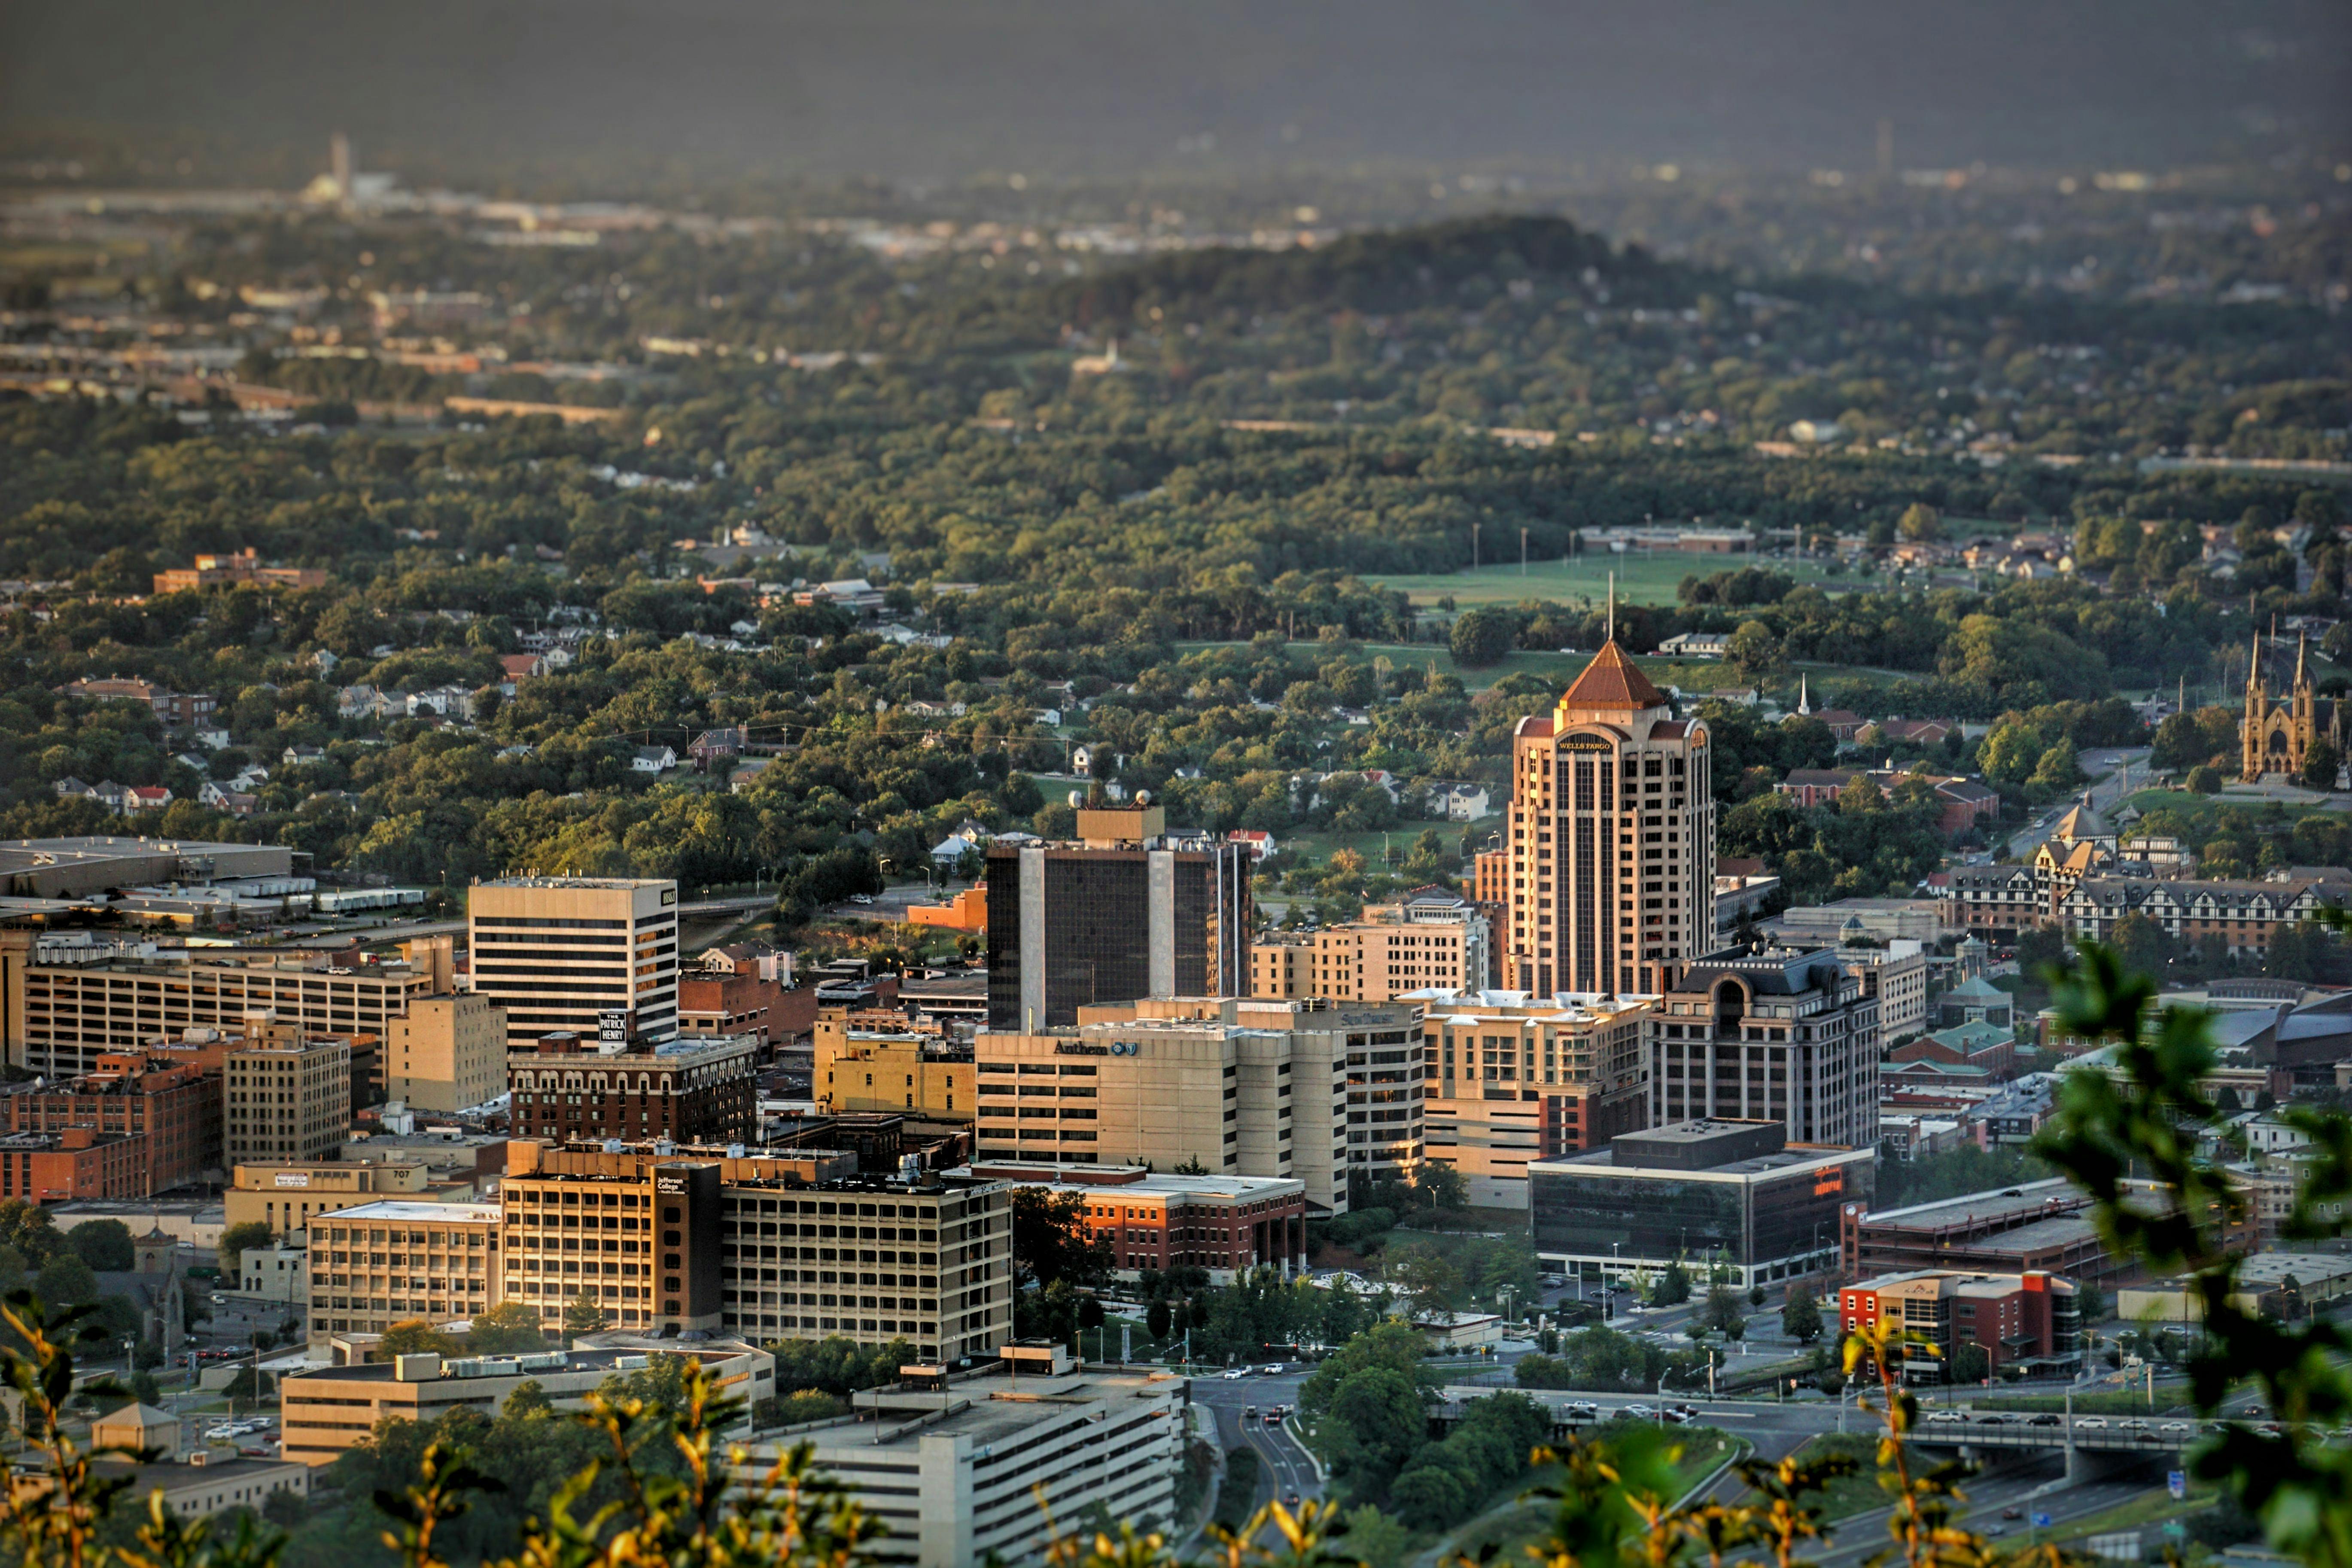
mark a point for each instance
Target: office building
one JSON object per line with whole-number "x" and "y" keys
{"x": 793, "y": 1247}
{"x": 2035, "y": 1227}
{"x": 1611, "y": 839}
{"x": 1895, "y": 978}
{"x": 2030, "y": 1321}
{"x": 567, "y": 952}
{"x": 1123, "y": 913}
{"x": 65, "y": 1002}
{"x": 289, "y": 1195}
{"x": 983, "y": 1465}
{"x": 1424, "y": 941}
{"x": 289, "y": 1094}
{"x": 712, "y": 1002}
{"x": 377, "y": 1264}
{"x": 891, "y": 1069}
{"x": 689, "y": 1090}
{"x": 176, "y": 1107}
{"x": 1512, "y": 1078}
{"x": 1706, "y": 1193}
{"x": 74, "y": 1164}
{"x": 445, "y": 1053}
{"x": 1786, "y": 1034}
{"x": 329, "y": 1411}
{"x": 1227, "y": 1225}
{"x": 1328, "y": 1094}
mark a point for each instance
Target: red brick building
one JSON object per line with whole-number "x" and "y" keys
{"x": 689, "y": 1092}
{"x": 2015, "y": 1319}
{"x": 743, "y": 1003}
{"x": 173, "y": 1106}
{"x": 1222, "y": 1224}
{"x": 78, "y": 1163}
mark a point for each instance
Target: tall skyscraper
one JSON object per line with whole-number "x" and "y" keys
{"x": 1612, "y": 845}
{"x": 1129, "y": 911}
{"x": 569, "y": 952}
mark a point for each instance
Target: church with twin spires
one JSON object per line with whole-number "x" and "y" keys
{"x": 2276, "y": 735}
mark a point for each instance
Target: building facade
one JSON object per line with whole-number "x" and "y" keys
{"x": 2276, "y": 735}
{"x": 175, "y": 1106}
{"x": 289, "y": 1195}
{"x": 65, "y": 1010}
{"x": 867, "y": 1069}
{"x": 691, "y": 1091}
{"x": 288, "y": 1095}
{"x": 968, "y": 1467}
{"x": 73, "y": 1164}
{"x": 1612, "y": 838}
{"x": 1786, "y": 1034}
{"x": 377, "y": 1264}
{"x": 791, "y": 1247}
{"x": 2030, "y": 1321}
{"x": 1121, "y": 915}
{"x": 2243, "y": 916}
{"x": 1327, "y": 1094}
{"x": 1394, "y": 949}
{"x": 445, "y": 1053}
{"x": 1735, "y": 1195}
{"x": 1227, "y": 1225}
{"x": 564, "y": 952}
{"x": 1895, "y": 978}
{"x": 1512, "y": 1078}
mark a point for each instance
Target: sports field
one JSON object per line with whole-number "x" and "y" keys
{"x": 1641, "y": 579}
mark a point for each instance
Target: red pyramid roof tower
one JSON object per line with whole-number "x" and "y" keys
{"x": 1612, "y": 681}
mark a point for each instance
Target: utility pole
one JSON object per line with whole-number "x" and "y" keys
{"x": 1473, "y": 545}
{"x": 1523, "y": 552}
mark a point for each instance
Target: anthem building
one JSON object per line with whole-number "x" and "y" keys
{"x": 1611, "y": 846}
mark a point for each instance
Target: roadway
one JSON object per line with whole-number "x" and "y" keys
{"x": 2105, "y": 766}
{"x": 1283, "y": 1469}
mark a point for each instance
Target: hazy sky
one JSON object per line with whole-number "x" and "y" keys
{"x": 948, "y": 87}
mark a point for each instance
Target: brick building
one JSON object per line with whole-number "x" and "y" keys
{"x": 687, "y": 1091}
{"x": 74, "y": 1164}
{"x": 1223, "y": 1224}
{"x": 2016, "y": 1320}
{"x": 711, "y": 1004}
{"x": 173, "y": 1107}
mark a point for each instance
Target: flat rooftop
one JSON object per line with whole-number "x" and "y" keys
{"x": 410, "y": 1209}
{"x": 2015, "y": 1204}
{"x": 1793, "y": 1158}
{"x": 1130, "y": 1180}
{"x": 607, "y": 1358}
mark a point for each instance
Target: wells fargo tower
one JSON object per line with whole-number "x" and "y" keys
{"x": 1612, "y": 838}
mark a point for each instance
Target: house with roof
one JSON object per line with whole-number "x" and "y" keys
{"x": 145, "y": 797}
{"x": 653, "y": 759}
{"x": 1988, "y": 1045}
{"x": 1695, "y": 644}
{"x": 1258, "y": 842}
{"x": 1457, "y": 802}
{"x": 2244, "y": 915}
{"x": 1919, "y": 731}
{"x": 521, "y": 667}
{"x": 714, "y": 746}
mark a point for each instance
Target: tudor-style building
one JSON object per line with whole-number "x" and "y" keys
{"x": 2245, "y": 915}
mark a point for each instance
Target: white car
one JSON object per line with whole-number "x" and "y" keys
{"x": 1946, "y": 1415}
{"x": 2092, "y": 1423}
{"x": 1639, "y": 1412}
{"x": 1236, "y": 1375}
{"x": 1271, "y": 1369}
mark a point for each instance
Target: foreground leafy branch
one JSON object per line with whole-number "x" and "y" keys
{"x": 2149, "y": 1120}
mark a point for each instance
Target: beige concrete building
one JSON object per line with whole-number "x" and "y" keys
{"x": 381, "y": 1263}
{"x": 289, "y": 1094}
{"x": 1513, "y": 1078}
{"x": 445, "y": 1053}
{"x": 330, "y": 1410}
{"x": 957, "y": 1465}
{"x": 1612, "y": 838}
{"x": 1896, "y": 975}
{"x": 63, "y": 1003}
{"x": 1394, "y": 949}
{"x": 568, "y": 953}
{"x": 1255, "y": 1087}
{"x": 286, "y": 1196}
{"x": 866, "y": 1070}
{"x": 799, "y": 1247}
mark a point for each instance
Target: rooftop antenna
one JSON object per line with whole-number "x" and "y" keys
{"x": 1612, "y": 606}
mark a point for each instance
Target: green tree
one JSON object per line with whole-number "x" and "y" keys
{"x": 2203, "y": 780}
{"x": 527, "y": 1401}
{"x": 586, "y": 1315}
{"x": 2058, "y": 768}
{"x": 1157, "y": 1318}
{"x": 1754, "y": 652}
{"x": 1920, "y": 521}
{"x": 1481, "y": 638}
{"x": 2320, "y": 765}
{"x": 415, "y": 1336}
{"x": 103, "y": 1244}
{"x": 509, "y": 1328}
{"x": 1800, "y": 1320}
{"x": 235, "y": 1240}
{"x": 66, "y": 1280}
{"x": 1052, "y": 1242}
{"x": 1673, "y": 1286}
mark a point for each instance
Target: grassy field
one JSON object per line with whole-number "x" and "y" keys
{"x": 1857, "y": 1493}
{"x": 2201, "y": 810}
{"x": 1557, "y": 668}
{"x": 1641, "y": 579}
